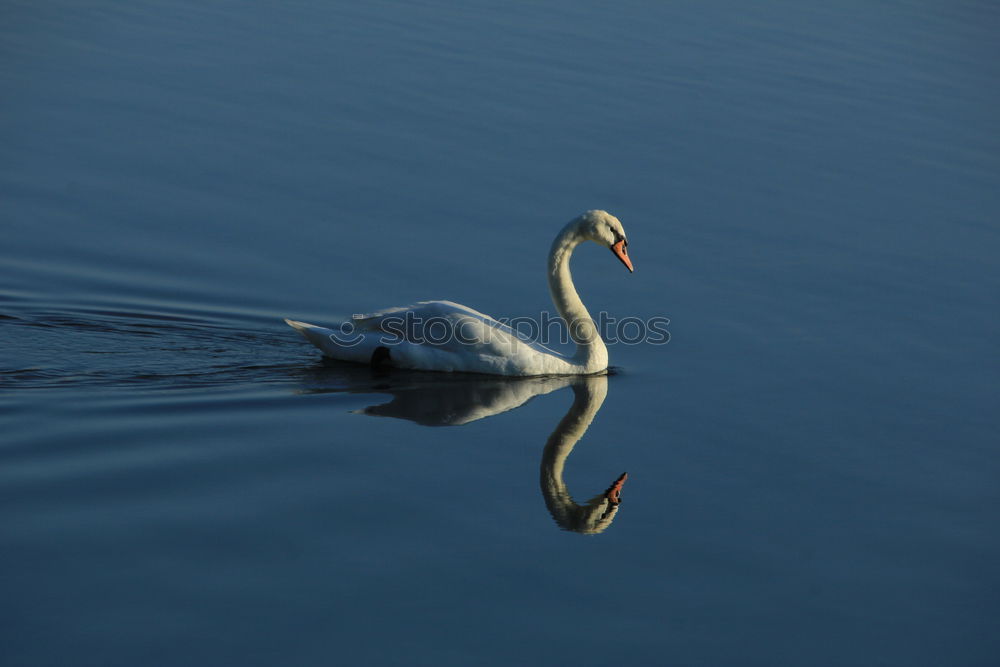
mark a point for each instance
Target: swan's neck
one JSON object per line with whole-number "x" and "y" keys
{"x": 591, "y": 353}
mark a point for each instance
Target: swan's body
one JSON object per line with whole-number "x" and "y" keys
{"x": 446, "y": 336}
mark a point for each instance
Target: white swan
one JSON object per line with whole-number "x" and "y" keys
{"x": 446, "y": 336}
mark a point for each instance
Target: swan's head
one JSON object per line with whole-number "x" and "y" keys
{"x": 603, "y": 228}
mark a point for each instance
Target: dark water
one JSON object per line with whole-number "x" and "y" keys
{"x": 811, "y": 192}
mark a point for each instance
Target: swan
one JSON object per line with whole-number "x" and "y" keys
{"x": 446, "y": 336}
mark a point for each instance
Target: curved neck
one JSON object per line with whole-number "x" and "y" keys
{"x": 590, "y": 350}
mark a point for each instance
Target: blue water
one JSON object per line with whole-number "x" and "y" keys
{"x": 811, "y": 192}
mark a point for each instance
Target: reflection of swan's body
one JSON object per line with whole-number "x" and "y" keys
{"x": 457, "y": 403}
{"x": 598, "y": 513}
{"x": 446, "y": 336}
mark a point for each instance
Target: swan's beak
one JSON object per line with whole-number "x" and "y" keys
{"x": 614, "y": 492}
{"x": 621, "y": 251}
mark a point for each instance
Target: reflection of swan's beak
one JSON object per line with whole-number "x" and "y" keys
{"x": 621, "y": 252}
{"x": 614, "y": 492}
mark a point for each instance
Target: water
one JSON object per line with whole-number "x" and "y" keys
{"x": 811, "y": 196}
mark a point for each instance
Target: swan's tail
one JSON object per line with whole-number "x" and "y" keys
{"x": 301, "y": 327}
{"x": 355, "y": 347}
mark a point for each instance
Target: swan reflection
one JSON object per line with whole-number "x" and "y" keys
{"x": 433, "y": 400}
{"x": 456, "y": 402}
{"x": 597, "y": 513}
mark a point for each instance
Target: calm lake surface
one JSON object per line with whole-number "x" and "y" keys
{"x": 812, "y": 196}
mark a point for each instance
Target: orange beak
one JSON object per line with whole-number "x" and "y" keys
{"x": 621, "y": 251}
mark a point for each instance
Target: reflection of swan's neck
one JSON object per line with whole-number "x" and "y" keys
{"x": 590, "y": 351}
{"x": 596, "y": 514}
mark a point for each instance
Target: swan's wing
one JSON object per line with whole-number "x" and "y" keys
{"x": 448, "y": 326}
{"x": 385, "y": 320}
